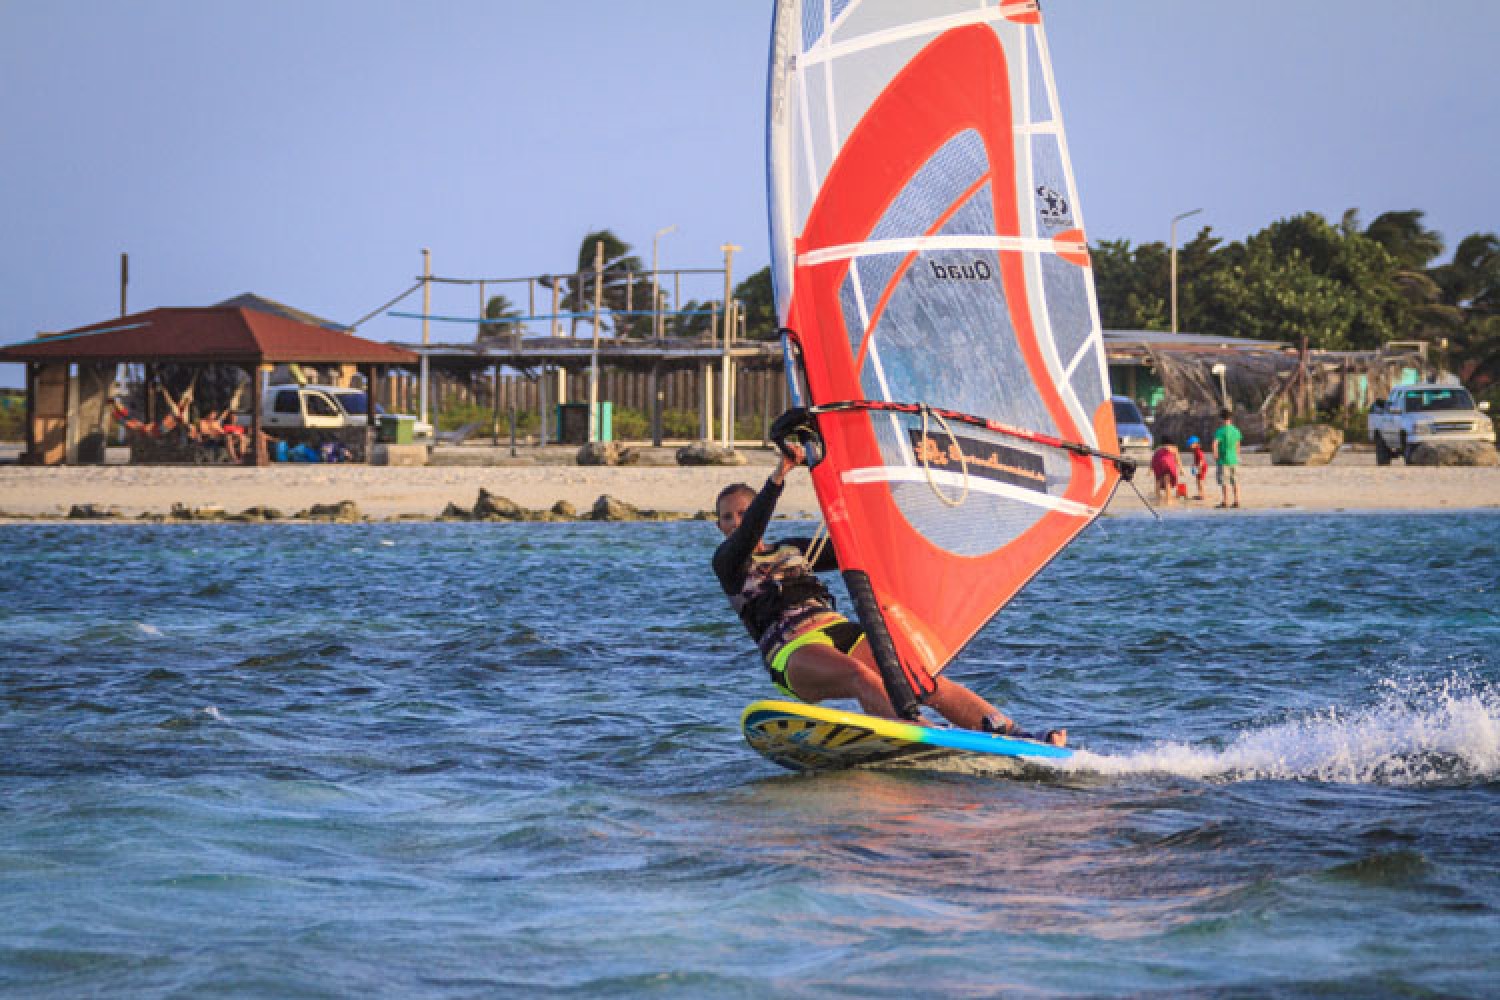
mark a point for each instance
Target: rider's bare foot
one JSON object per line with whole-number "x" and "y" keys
{"x": 1057, "y": 737}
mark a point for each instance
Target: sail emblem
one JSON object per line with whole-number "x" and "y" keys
{"x": 1053, "y": 207}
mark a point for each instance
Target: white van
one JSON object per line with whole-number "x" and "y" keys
{"x": 321, "y": 407}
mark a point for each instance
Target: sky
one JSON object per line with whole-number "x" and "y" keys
{"x": 307, "y": 150}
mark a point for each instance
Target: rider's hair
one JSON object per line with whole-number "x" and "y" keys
{"x": 730, "y": 491}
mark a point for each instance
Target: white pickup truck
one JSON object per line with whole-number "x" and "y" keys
{"x": 1416, "y": 414}
{"x": 320, "y": 407}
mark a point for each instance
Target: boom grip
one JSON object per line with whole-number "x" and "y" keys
{"x": 798, "y": 422}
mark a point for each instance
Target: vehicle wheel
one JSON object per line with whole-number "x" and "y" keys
{"x": 1406, "y": 450}
{"x": 1382, "y": 453}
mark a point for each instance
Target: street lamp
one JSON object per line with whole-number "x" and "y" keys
{"x": 656, "y": 329}
{"x": 1218, "y": 371}
{"x": 1176, "y": 219}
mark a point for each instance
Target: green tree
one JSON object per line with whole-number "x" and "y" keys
{"x": 760, "y": 305}
{"x": 626, "y": 287}
{"x": 503, "y": 319}
{"x": 1132, "y": 285}
{"x": 1405, "y": 239}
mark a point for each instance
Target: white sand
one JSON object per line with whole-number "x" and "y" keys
{"x": 1352, "y": 482}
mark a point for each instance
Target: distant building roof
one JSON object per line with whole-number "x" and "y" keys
{"x": 218, "y": 334}
{"x": 1162, "y": 340}
{"x": 249, "y": 300}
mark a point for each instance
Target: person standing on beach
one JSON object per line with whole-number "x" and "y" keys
{"x": 1227, "y": 459}
{"x": 812, "y": 652}
{"x": 1200, "y": 464}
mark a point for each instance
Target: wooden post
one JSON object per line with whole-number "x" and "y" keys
{"x": 369, "y": 372}
{"x": 654, "y": 391}
{"x": 541, "y": 407}
{"x": 765, "y": 406}
{"x": 30, "y": 458}
{"x": 495, "y": 413}
{"x": 258, "y": 436}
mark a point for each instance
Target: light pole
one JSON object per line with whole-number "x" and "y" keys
{"x": 726, "y": 389}
{"x": 1176, "y": 219}
{"x": 656, "y": 326}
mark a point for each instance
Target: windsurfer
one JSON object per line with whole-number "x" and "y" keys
{"x": 814, "y": 653}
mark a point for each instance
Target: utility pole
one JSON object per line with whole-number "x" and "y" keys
{"x": 726, "y": 375}
{"x": 124, "y": 279}
{"x": 594, "y": 358}
{"x": 422, "y": 386}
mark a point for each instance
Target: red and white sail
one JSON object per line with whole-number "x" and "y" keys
{"x": 928, "y": 249}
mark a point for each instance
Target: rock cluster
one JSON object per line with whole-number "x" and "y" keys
{"x": 607, "y": 453}
{"x": 203, "y": 512}
{"x": 1453, "y": 453}
{"x": 343, "y": 512}
{"x": 492, "y": 507}
{"x": 1313, "y": 444}
{"x": 93, "y": 512}
{"x": 708, "y": 453}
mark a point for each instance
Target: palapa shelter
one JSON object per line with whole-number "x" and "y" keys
{"x": 69, "y": 375}
{"x": 1184, "y": 380}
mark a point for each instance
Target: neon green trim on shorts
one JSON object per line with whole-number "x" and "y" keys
{"x": 811, "y": 636}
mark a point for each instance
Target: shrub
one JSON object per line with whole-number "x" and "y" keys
{"x": 12, "y": 416}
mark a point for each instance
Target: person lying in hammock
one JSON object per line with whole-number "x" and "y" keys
{"x": 154, "y": 428}
{"x": 814, "y": 653}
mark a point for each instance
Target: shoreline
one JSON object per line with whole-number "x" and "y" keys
{"x": 387, "y": 493}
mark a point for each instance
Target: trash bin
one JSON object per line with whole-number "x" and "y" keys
{"x": 573, "y": 423}
{"x": 397, "y": 428}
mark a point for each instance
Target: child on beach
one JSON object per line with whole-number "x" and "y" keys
{"x": 1200, "y": 464}
{"x": 811, "y": 651}
{"x": 1167, "y": 470}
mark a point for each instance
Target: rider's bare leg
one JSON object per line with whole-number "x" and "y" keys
{"x": 818, "y": 673}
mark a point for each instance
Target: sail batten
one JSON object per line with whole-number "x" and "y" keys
{"x": 930, "y": 263}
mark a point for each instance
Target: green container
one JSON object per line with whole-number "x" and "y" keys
{"x": 397, "y": 428}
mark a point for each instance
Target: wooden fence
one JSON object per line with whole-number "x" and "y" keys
{"x": 759, "y": 394}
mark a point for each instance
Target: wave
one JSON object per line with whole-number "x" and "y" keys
{"x": 1414, "y": 734}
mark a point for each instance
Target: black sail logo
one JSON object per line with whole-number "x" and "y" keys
{"x": 984, "y": 459}
{"x": 976, "y": 270}
{"x": 1053, "y": 207}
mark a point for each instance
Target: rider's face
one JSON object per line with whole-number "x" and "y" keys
{"x": 732, "y": 511}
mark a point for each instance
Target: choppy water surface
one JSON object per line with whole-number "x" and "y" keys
{"x": 475, "y": 760}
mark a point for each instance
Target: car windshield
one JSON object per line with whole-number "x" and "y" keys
{"x": 1126, "y": 413}
{"x": 354, "y": 403}
{"x": 1438, "y": 399}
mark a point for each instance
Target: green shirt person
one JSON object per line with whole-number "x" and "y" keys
{"x": 1227, "y": 459}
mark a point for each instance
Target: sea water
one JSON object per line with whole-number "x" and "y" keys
{"x": 485, "y": 760}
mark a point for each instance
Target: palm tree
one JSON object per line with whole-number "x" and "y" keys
{"x": 625, "y": 283}
{"x": 1404, "y": 238}
{"x": 504, "y": 318}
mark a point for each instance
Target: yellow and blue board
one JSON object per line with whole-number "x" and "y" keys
{"x": 811, "y": 738}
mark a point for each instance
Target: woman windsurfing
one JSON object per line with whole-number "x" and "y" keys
{"x": 812, "y": 652}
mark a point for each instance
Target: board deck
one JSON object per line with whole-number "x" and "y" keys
{"x": 811, "y": 738}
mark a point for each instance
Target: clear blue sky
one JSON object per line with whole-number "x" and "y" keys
{"x": 307, "y": 151}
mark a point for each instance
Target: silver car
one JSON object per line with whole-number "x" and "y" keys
{"x": 1130, "y": 425}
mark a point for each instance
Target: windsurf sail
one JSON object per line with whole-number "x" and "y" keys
{"x": 933, "y": 282}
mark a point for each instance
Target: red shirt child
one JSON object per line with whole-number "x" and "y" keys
{"x": 1200, "y": 464}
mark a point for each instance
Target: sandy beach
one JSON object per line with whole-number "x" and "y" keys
{"x": 538, "y": 479}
